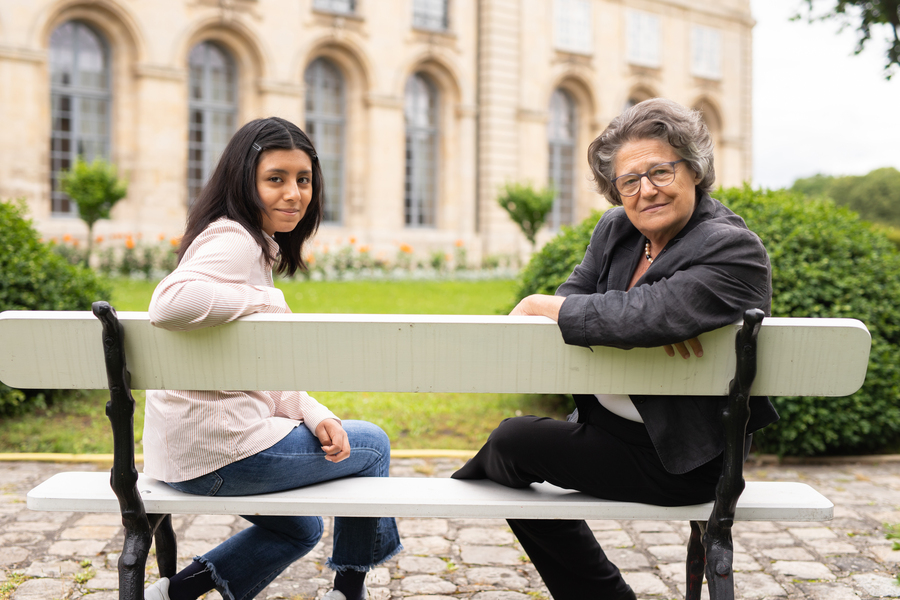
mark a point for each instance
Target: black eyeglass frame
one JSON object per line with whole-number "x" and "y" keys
{"x": 647, "y": 175}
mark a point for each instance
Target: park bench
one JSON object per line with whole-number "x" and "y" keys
{"x": 418, "y": 353}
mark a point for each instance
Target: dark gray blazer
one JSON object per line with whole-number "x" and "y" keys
{"x": 705, "y": 278}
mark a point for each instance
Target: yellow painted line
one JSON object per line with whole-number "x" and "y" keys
{"x": 108, "y": 458}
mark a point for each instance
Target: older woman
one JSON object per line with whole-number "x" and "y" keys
{"x": 667, "y": 264}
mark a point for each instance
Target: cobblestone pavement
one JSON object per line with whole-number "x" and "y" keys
{"x": 73, "y": 555}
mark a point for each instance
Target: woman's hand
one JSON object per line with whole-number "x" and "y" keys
{"x": 334, "y": 440}
{"x": 682, "y": 349}
{"x": 539, "y": 305}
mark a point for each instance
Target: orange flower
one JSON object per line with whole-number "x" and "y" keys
{"x": 75, "y": 243}
{"x": 406, "y": 248}
{"x": 352, "y": 240}
{"x": 459, "y": 243}
{"x": 67, "y": 238}
{"x": 98, "y": 239}
{"x": 129, "y": 243}
{"x": 162, "y": 236}
{"x": 363, "y": 249}
{"x": 311, "y": 259}
{"x": 174, "y": 241}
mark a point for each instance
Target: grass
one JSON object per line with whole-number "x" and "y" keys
{"x": 412, "y": 421}
{"x": 487, "y": 297}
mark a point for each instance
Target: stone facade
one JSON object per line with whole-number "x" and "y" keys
{"x": 493, "y": 66}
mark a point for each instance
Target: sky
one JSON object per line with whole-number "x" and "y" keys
{"x": 818, "y": 108}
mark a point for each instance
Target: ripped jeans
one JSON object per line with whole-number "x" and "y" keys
{"x": 246, "y": 563}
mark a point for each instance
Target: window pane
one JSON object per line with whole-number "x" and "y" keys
{"x": 421, "y": 152}
{"x": 338, "y": 6}
{"x": 573, "y": 22}
{"x": 212, "y": 111}
{"x": 325, "y": 125}
{"x": 561, "y": 135}
{"x": 706, "y": 52}
{"x": 90, "y": 59}
{"x": 80, "y": 102}
{"x": 430, "y": 14}
{"x": 643, "y": 38}
{"x": 62, "y": 54}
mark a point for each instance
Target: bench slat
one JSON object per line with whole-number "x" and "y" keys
{"x": 423, "y": 497}
{"x": 419, "y": 353}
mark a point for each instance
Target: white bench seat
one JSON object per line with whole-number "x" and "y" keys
{"x": 423, "y": 497}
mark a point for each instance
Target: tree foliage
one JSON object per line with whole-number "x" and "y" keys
{"x": 37, "y": 278}
{"x": 875, "y": 196}
{"x": 827, "y": 262}
{"x": 527, "y": 207}
{"x": 867, "y": 16}
{"x": 95, "y": 188}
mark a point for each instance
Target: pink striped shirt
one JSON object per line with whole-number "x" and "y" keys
{"x": 222, "y": 277}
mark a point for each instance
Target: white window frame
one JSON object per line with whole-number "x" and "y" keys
{"x": 422, "y": 113}
{"x": 573, "y": 25}
{"x": 643, "y": 35}
{"x": 341, "y": 7}
{"x": 431, "y": 15}
{"x": 320, "y": 119}
{"x": 706, "y": 52}
{"x": 208, "y": 138}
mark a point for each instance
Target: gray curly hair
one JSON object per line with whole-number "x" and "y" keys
{"x": 658, "y": 118}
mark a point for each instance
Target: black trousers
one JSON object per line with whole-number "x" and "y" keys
{"x": 606, "y": 456}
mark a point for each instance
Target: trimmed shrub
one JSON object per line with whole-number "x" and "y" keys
{"x": 549, "y": 267}
{"x": 826, "y": 263}
{"x": 37, "y": 278}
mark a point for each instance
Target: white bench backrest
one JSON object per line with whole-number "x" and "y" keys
{"x": 419, "y": 353}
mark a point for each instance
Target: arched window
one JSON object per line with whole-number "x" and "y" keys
{"x": 325, "y": 125}
{"x": 80, "y": 102}
{"x": 212, "y": 111}
{"x": 561, "y": 153}
{"x": 421, "y": 151}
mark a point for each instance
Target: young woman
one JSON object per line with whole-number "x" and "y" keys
{"x": 262, "y": 203}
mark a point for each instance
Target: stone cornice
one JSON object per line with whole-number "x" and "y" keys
{"x": 23, "y": 54}
{"x": 159, "y": 72}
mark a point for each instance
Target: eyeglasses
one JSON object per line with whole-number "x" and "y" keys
{"x": 659, "y": 175}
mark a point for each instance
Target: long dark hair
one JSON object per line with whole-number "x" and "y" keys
{"x": 231, "y": 191}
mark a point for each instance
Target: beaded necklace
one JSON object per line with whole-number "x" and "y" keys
{"x": 647, "y": 252}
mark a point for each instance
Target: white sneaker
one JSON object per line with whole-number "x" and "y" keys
{"x": 160, "y": 590}
{"x": 336, "y": 595}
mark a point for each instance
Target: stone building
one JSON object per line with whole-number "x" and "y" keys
{"x": 420, "y": 109}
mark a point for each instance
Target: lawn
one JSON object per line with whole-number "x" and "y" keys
{"x": 413, "y": 421}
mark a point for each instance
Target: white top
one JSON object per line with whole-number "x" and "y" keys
{"x": 621, "y": 405}
{"x": 223, "y": 276}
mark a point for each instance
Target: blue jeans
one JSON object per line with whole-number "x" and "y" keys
{"x": 247, "y": 562}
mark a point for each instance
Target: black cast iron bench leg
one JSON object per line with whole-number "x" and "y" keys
{"x": 139, "y": 526}
{"x": 711, "y": 546}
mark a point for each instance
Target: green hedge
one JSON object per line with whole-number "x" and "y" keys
{"x": 551, "y": 266}
{"x": 36, "y": 278}
{"x": 826, "y": 263}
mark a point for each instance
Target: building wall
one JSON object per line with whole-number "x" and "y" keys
{"x": 495, "y": 67}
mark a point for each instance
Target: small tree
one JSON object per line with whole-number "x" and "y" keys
{"x": 95, "y": 188}
{"x": 527, "y": 207}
